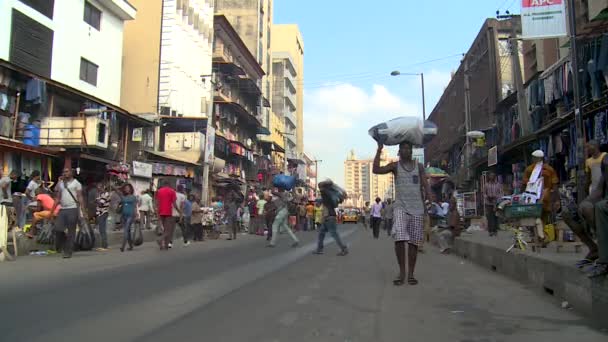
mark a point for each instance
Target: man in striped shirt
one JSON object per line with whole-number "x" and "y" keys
{"x": 492, "y": 192}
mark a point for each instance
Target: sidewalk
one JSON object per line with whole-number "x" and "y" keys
{"x": 548, "y": 271}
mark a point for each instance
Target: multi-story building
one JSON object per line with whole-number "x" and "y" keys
{"x": 60, "y": 85}
{"x": 486, "y": 68}
{"x": 362, "y": 185}
{"x": 284, "y": 99}
{"x": 288, "y": 50}
{"x": 237, "y": 119}
{"x": 168, "y": 77}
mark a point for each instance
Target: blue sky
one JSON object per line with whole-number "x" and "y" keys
{"x": 350, "y": 48}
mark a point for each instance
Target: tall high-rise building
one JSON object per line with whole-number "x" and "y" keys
{"x": 362, "y": 185}
{"x": 288, "y": 56}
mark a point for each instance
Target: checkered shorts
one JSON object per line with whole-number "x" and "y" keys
{"x": 408, "y": 227}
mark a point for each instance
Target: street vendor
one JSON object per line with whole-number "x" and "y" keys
{"x": 540, "y": 184}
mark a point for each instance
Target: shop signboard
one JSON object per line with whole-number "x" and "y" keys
{"x": 138, "y": 134}
{"x": 543, "y": 19}
{"x": 493, "y": 156}
{"x": 142, "y": 169}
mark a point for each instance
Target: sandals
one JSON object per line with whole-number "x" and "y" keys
{"x": 412, "y": 281}
{"x": 598, "y": 270}
{"x": 584, "y": 262}
{"x": 398, "y": 281}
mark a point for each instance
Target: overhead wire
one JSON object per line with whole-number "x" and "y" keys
{"x": 367, "y": 75}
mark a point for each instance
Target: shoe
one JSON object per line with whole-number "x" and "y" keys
{"x": 130, "y": 248}
{"x": 295, "y": 245}
{"x": 67, "y": 256}
{"x": 344, "y": 252}
{"x": 122, "y": 249}
{"x": 187, "y": 243}
{"x": 170, "y": 245}
{"x": 598, "y": 270}
{"x": 318, "y": 252}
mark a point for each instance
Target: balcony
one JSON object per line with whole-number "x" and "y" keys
{"x": 182, "y": 142}
{"x": 226, "y": 94}
{"x": 290, "y": 100}
{"x": 291, "y": 117}
{"x": 290, "y": 84}
{"x": 75, "y": 132}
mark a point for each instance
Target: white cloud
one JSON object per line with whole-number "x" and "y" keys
{"x": 337, "y": 117}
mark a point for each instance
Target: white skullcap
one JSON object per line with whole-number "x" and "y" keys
{"x": 538, "y": 154}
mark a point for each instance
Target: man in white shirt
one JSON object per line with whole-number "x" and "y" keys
{"x": 376, "y": 217}
{"x": 146, "y": 208}
{"x": 68, "y": 194}
{"x": 178, "y": 209}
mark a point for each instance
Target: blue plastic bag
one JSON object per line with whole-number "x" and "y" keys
{"x": 284, "y": 182}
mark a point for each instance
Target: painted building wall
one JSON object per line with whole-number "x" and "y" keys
{"x": 287, "y": 38}
{"x": 186, "y": 51}
{"x": 141, "y": 58}
{"x": 74, "y": 39}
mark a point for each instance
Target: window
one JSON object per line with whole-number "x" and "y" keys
{"x": 31, "y": 45}
{"x": 92, "y": 15}
{"x": 43, "y": 6}
{"x": 88, "y": 71}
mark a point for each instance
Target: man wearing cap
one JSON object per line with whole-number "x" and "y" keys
{"x": 541, "y": 182}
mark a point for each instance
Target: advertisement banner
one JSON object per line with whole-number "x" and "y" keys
{"x": 543, "y": 19}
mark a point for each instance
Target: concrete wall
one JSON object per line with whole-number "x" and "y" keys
{"x": 75, "y": 39}
{"x": 141, "y": 58}
{"x": 287, "y": 38}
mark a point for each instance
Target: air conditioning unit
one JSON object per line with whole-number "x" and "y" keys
{"x": 191, "y": 141}
{"x": 75, "y": 131}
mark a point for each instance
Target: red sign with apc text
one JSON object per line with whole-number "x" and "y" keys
{"x": 540, "y": 3}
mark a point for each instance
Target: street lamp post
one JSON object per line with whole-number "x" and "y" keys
{"x": 399, "y": 73}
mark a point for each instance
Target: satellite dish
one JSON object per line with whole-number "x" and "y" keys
{"x": 476, "y": 134}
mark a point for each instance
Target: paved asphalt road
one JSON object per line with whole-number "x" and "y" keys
{"x": 240, "y": 291}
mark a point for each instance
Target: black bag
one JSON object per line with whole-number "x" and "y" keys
{"x": 136, "y": 235}
{"x": 46, "y": 235}
{"x": 85, "y": 238}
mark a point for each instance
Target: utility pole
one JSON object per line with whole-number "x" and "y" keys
{"x": 578, "y": 109}
{"x": 522, "y": 104}
{"x": 467, "y": 115}
{"x": 208, "y": 161}
{"x": 317, "y": 161}
{"x": 423, "y": 100}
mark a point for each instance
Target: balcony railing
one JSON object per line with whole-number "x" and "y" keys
{"x": 289, "y": 115}
{"x": 74, "y": 131}
{"x": 227, "y": 93}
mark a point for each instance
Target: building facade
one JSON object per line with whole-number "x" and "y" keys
{"x": 288, "y": 47}
{"x": 60, "y": 69}
{"x": 362, "y": 185}
{"x": 237, "y": 115}
{"x": 75, "y": 42}
{"x": 168, "y": 78}
{"x": 284, "y": 100}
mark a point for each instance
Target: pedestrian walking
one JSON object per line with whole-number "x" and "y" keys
{"x": 376, "y": 218}
{"x": 270, "y": 212}
{"x": 329, "y": 222}
{"x": 301, "y": 216}
{"x": 128, "y": 212}
{"x": 179, "y": 212}
{"x": 310, "y": 216}
{"x": 318, "y": 213}
{"x": 260, "y": 206}
{"x": 411, "y": 188}
{"x": 492, "y": 193}
{"x": 282, "y": 199}
{"x": 69, "y": 196}
{"x": 146, "y": 209}
{"x": 196, "y": 219}
{"x": 387, "y": 214}
{"x": 367, "y": 214}
{"x": 232, "y": 214}
{"x": 101, "y": 214}
{"x": 166, "y": 199}
{"x": 114, "y": 215}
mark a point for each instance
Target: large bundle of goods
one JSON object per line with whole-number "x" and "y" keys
{"x": 403, "y": 129}
{"x": 284, "y": 182}
{"x": 332, "y": 191}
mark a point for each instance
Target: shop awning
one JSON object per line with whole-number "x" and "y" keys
{"x": 188, "y": 157}
{"x": 19, "y": 146}
{"x": 263, "y": 131}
